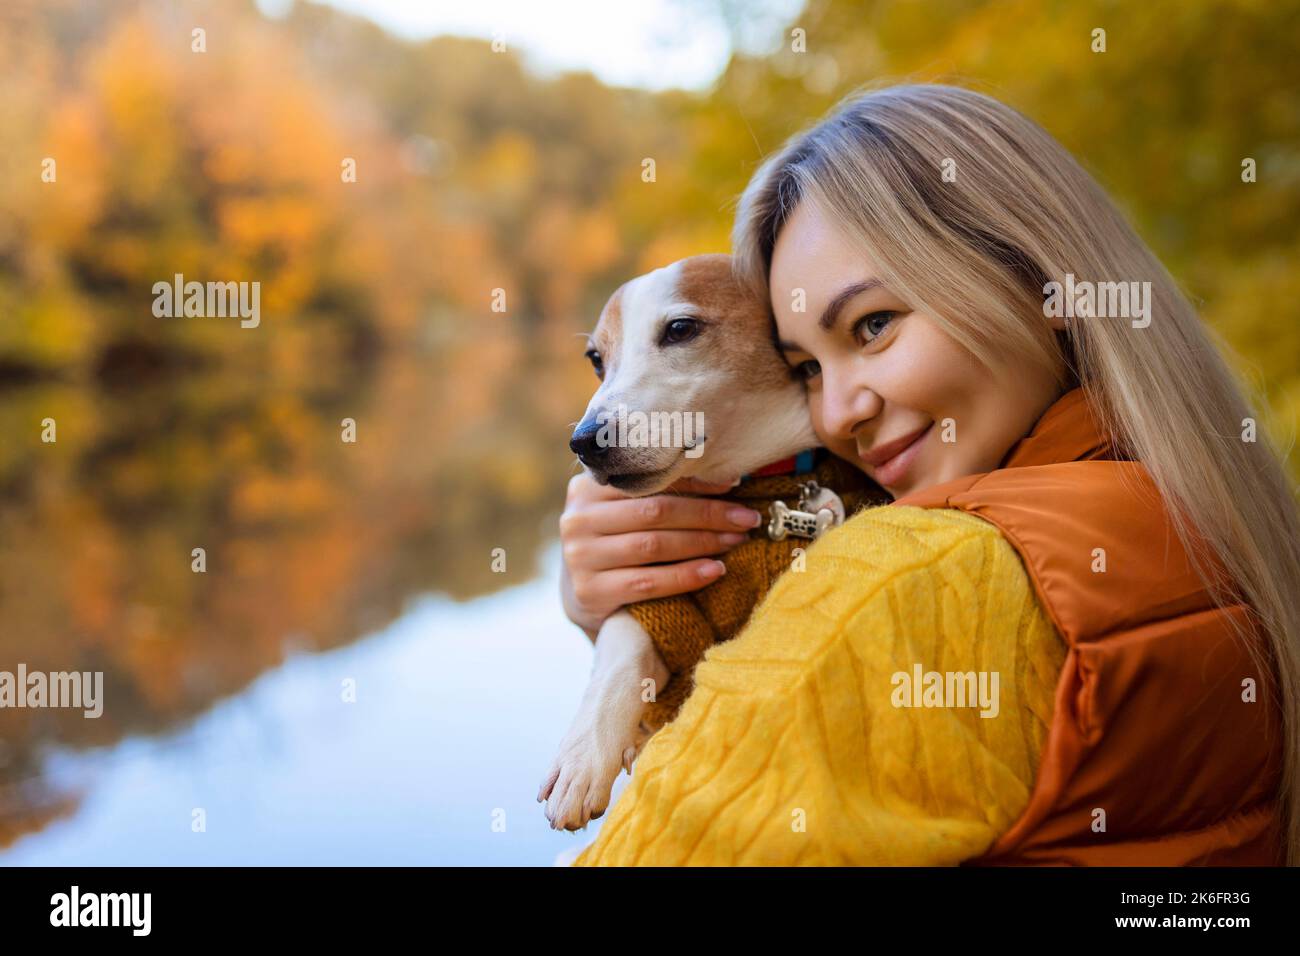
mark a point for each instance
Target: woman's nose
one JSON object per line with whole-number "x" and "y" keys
{"x": 846, "y": 404}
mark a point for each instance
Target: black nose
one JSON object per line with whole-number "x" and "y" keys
{"x": 585, "y": 445}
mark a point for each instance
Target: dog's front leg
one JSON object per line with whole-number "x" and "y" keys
{"x": 606, "y": 734}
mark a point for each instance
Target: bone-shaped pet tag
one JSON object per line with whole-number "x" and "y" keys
{"x": 815, "y": 498}
{"x": 819, "y": 509}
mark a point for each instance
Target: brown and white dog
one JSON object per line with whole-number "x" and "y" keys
{"x": 684, "y": 339}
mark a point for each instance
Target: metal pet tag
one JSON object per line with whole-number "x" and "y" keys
{"x": 818, "y": 509}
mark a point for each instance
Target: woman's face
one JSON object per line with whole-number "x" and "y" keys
{"x": 888, "y": 389}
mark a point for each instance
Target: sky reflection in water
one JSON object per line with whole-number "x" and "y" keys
{"x": 459, "y": 708}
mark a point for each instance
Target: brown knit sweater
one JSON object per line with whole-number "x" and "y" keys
{"x": 684, "y": 626}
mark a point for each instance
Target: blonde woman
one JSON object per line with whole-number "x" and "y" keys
{"x": 1073, "y": 637}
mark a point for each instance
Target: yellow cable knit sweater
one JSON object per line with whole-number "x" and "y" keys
{"x": 791, "y": 751}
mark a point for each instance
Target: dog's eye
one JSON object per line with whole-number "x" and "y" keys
{"x": 680, "y": 330}
{"x": 596, "y": 362}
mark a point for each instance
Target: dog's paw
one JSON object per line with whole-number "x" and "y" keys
{"x": 607, "y": 733}
{"x": 578, "y": 785}
{"x": 602, "y": 742}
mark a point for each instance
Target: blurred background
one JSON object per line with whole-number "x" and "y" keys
{"x": 496, "y": 146}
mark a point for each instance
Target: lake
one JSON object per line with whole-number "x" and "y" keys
{"x": 458, "y": 707}
{"x": 324, "y": 644}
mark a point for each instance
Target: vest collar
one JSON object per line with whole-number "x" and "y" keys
{"x": 1068, "y": 431}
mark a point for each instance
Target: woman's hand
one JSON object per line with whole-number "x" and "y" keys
{"x": 612, "y": 545}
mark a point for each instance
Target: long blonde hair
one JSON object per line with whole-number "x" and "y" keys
{"x": 974, "y": 250}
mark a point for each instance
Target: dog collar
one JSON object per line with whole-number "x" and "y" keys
{"x": 799, "y": 464}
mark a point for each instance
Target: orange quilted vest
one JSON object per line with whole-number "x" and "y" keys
{"x": 1149, "y": 726}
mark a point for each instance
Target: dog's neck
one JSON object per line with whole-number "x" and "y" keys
{"x": 766, "y": 429}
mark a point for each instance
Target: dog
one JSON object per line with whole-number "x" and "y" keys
{"x": 689, "y": 344}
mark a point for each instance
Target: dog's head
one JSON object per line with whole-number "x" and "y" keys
{"x": 692, "y": 384}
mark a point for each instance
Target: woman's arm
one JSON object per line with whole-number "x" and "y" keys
{"x": 792, "y": 751}
{"x": 613, "y": 545}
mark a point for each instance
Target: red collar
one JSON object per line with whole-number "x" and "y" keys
{"x": 783, "y": 467}
{"x": 799, "y": 464}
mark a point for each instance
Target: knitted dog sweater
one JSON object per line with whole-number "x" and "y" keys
{"x": 684, "y": 626}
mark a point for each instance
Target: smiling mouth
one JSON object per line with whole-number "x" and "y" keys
{"x": 889, "y": 471}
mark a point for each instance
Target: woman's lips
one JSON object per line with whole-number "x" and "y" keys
{"x": 890, "y": 461}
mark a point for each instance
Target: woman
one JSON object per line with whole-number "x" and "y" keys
{"x": 1083, "y": 524}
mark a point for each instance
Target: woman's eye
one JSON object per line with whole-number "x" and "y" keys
{"x": 874, "y": 325}
{"x": 807, "y": 370}
{"x": 594, "y": 357}
{"x": 680, "y": 330}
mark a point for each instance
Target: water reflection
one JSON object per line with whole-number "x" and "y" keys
{"x": 310, "y": 544}
{"x": 458, "y": 708}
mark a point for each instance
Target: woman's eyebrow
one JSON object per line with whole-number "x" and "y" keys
{"x": 831, "y": 313}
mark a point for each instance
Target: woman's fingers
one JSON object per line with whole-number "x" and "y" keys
{"x": 628, "y": 585}
{"x": 584, "y": 488}
{"x": 660, "y": 512}
{"x": 693, "y": 486}
{"x": 615, "y": 547}
{"x": 648, "y": 547}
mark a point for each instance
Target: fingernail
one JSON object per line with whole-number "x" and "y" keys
{"x": 744, "y": 517}
{"x": 733, "y": 537}
{"x": 712, "y": 569}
